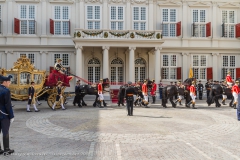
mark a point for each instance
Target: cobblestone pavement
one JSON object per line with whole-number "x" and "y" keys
{"x": 90, "y": 133}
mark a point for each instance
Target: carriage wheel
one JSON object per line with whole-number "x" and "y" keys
{"x": 52, "y": 99}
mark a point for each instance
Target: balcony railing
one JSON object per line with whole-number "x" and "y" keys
{"x": 118, "y": 34}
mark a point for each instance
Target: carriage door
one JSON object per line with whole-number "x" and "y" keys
{"x": 116, "y": 71}
{"x": 140, "y": 69}
{"x": 94, "y": 70}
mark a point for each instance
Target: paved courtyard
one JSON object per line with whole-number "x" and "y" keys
{"x": 154, "y": 133}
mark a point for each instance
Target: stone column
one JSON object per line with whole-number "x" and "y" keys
{"x": 131, "y": 64}
{"x": 105, "y": 13}
{"x": 157, "y": 64}
{"x": 79, "y": 61}
{"x": 215, "y": 67}
{"x": 150, "y": 15}
{"x": 105, "y": 62}
{"x": 44, "y": 63}
{"x": 185, "y": 28}
{"x": 185, "y": 65}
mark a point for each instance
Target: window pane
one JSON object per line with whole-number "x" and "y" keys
{"x": 165, "y": 30}
{"x": 202, "y": 30}
{"x": 202, "y": 73}
{"x": 232, "y": 61}
{"x": 165, "y": 73}
{"x": 113, "y": 25}
{"x": 195, "y": 60}
{"x": 165, "y": 60}
{"x": 31, "y": 27}
{"x": 225, "y": 61}
{"x": 97, "y": 12}
{"x": 97, "y": 74}
{"x": 135, "y": 26}
{"x": 113, "y": 13}
{"x": 231, "y": 31}
{"x": 136, "y": 74}
{"x": 173, "y": 60}
{"x": 97, "y": 25}
{"x": 55, "y": 57}
{"x": 172, "y": 15}
{"x": 203, "y": 61}
{"x": 90, "y": 25}
{"x": 57, "y": 12}
{"x": 120, "y": 13}
{"x": 143, "y": 26}
{"x": 135, "y": 13}
{"x": 143, "y": 13}
{"x": 65, "y": 60}
{"x": 165, "y": 15}
{"x": 31, "y": 12}
{"x": 120, "y": 25}
{"x": 224, "y": 16}
{"x": 120, "y": 74}
{"x": 31, "y": 57}
{"x": 23, "y": 13}
{"x": 90, "y": 74}
{"x": 57, "y": 28}
{"x": 231, "y": 17}
{"x": 113, "y": 74}
{"x": 232, "y": 70}
{"x": 173, "y": 73}
{"x": 195, "y": 16}
{"x": 23, "y": 27}
{"x": 172, "y": 30}
{"x": 202, "y": 15}
{"x": 65, "y": 12}
{"x": 89, "y": 12}
{"x": 65, "y": 27}
{"x": 195, "y": 73}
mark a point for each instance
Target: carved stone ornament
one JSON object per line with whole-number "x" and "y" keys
{"x": 139, "y": 1}
{"x": 215, "y": 54}
{"x": 61, "y": 1}
{"x": 170, "y": 3}
{"x": 94, "y": 1}
{"x": 228, "y": 4}
{"x": 199, "y": 4}
{"x": 116, "y": 1}
{"x": 185, "y": 54}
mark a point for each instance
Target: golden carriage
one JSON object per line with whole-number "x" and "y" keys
{"x": 23, "y": 73}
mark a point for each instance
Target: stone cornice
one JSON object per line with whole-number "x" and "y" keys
{"x": 94, "y": 1}
{"x": 228, "y": 5}
{"x": 117, "y": 1}
{"x": 169, "y": 3}
{"x": 199, "y": 4}
{"x": 62, "y": 1}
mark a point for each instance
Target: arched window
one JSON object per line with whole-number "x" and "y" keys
{"x": 140, "y": 69}
{"x": 94, "y": 70}
{"x": 116, "y": 71}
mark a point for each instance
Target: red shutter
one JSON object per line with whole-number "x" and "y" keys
{"x": 51, "y": 26}
{"x": 16, "y": 26}
{"x": 179, "y": 73}
{"x": 237, "y": 27}
{"x": 209, "y": 73}
{"x": 69, "y": 26}
{"x": 237, "y": 73}
{"x": 208, "y": 29}
{"x": 179, "y": 29}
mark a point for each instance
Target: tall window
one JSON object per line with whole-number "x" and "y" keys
{"x": 116, "y": 70}
{"x": 139, "y": 18}
{"x": 169, "y": 66}
{"x": 140, "y": 69}
{"x": 30, "y": 56}
{"x": 94, "y": 70}
{"x": 228, "y": 64}
{"x": 61, "y": 20}
{"x": 65, "y": 60}
{"x": 229, "y": 22}
{"x": 169, "y": 22}
{"x": 117, "y": 18}
{"x": 27, "y": 19}
{"x": 93, "y": 17}
{"x": 199, "y": 66}
{"x": 199, "y": 23}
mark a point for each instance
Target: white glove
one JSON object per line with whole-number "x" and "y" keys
{"x": 11, "y": 120}
{"x": 30, "y": 97}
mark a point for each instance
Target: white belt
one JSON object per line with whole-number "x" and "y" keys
{"x": 3, "y": 112}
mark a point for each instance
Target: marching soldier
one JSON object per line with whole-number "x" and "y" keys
{"x": 31, "y": 98}
{"x": 229, "y": 79}
{"x": 200, "y": 90}
{"x": 77, "y": 98}
{"x": 193, "y": 95}
{"x": 180, "y": 97}
{"x": 145, "y": 93}
{"x": 208, "y": 87}
{"x": 6, "y": 113}
{"x": 100, "y": 93}
{"x": 235, "y": 91}
{"x": 58, "y": 66}
{"x": 153, "y": 91}
{"x": 129, "y": 92}
{"x": 59, "y": 96}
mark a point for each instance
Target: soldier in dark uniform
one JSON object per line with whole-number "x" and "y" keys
{"x": 32, "y": 98}
{"x": 129, "y": 92}
{"x": 208, "y": 87}
{"x": 200, "y": 90}
{"x": 6, "y": 113}
{"x": 77, "y": 98}
{"x": 59, "y": 96}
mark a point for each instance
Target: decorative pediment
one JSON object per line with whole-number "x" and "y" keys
{"x": 169, "y": 3}
{"x": 61, "y": 1}
{"x": 139, "y": 1}
{"x": 199, "y": 4}
{"x": 116, "y": 1}
{"x": 229, "y": 5}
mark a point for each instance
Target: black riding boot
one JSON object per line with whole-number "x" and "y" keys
{"x": 104, "y": 103}
{"x": 129, "y": 111}
{"x": 153, "y": 98}
{"x": 188, "y": 105}
{"x": 193, "y": 105}
{"x": 100, "y": 104}
{"x": 223, "y": 102}
{"x": 180, "y": 102}
{"x": 235, "y": 106}
{"x": 7, "y": 150}
{"x": 176, "y": 101}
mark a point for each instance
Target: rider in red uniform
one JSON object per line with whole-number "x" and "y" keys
{"x": 100, "y": 92}
{"x": 229, "y": 79}
{"x": 145, "y": 93}
{"x": 193, "y": 95}
{"x": 235, "y": 91}
{"x": 153, "y": 91}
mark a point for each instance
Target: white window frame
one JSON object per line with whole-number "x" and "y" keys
{"x": 199, "y": 65}
{"x": 169, "y": 67}
{"x": 227, "y": 25}
{"x": 27, "y": 18}
{"x": 229, "y": 67}
{"x": 28, "y": 55}
{"x": 140, "y": 21}
{"x": 61, "y": 19}
{"x": 116, "y": 66}
{"x": 198, "y": 24}
{"x": 117, "y": 20}
{"x": 94, "y": 19}
{"x": 169, "y": 21}
{"x": 94, "y": 69}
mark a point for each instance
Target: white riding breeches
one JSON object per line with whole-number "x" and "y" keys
{"x": 180, "y": 97}
{"x": 101, "y": 96}
{"x": 235, "y": 95}
{"x": 229, "y": 84}
{"x": 224, "y": 96}
{"x": 193, "y": 96}
{"x": 146, "y": 98}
